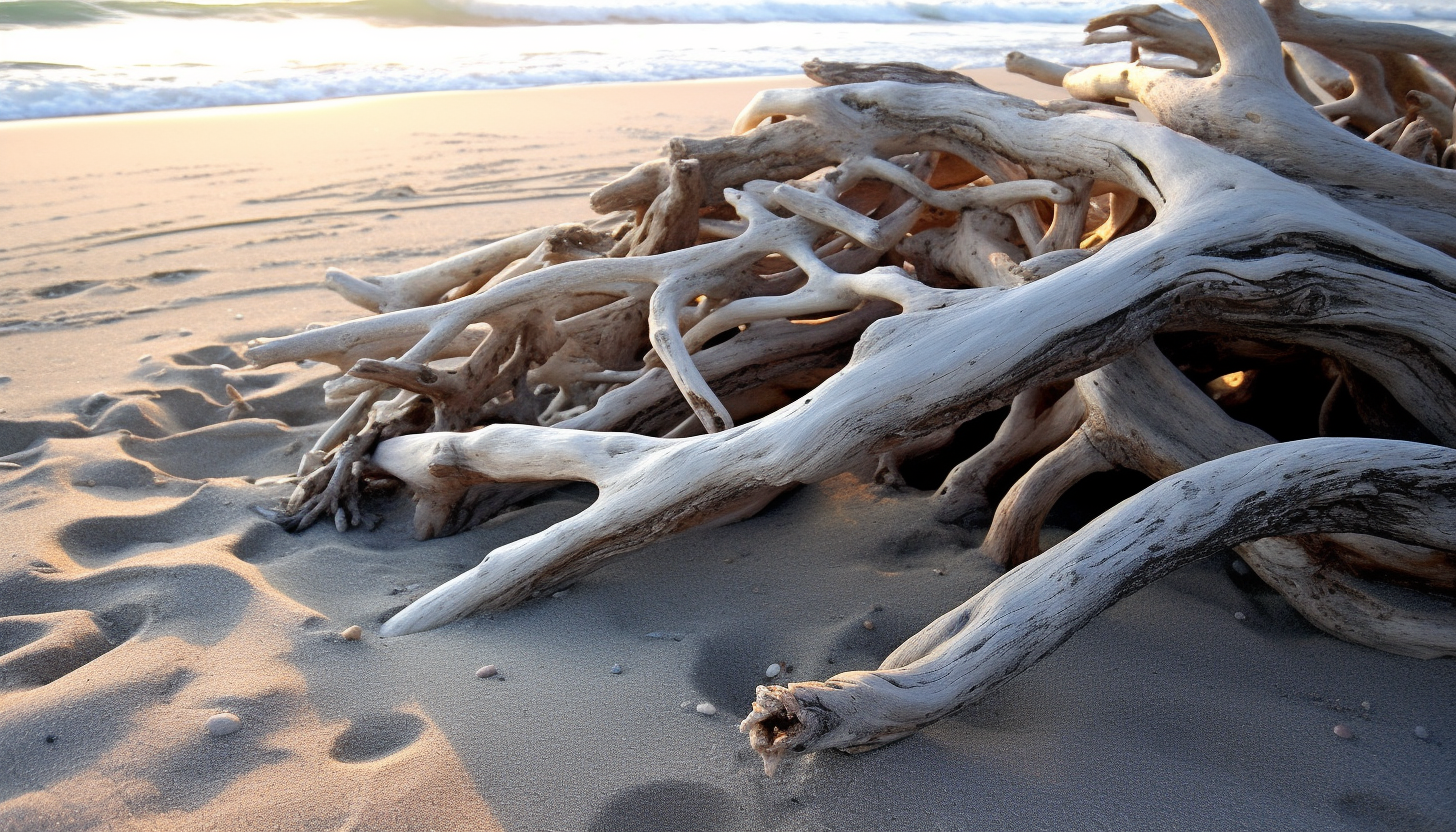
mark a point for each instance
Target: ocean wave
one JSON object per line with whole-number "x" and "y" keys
{"x": 395, "y": 12}
{"x": 277, "y": 52}
{"x": 42, "y": 97}
{"x": 878, "y": 11}
{"x": 51, "y": 12}
{"x": 796, "y": 11}
{"x": 35, "y": 65}
{"x": 875, "y": 11}
{"x": 49, "y": 92}
{"x": 488, "y": 13}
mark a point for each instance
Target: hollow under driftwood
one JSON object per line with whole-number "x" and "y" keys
{"x": 869, "y": 264}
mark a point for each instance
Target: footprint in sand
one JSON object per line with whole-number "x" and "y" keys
{"x": 38, "y": 649}
{"x": 106, "y": 539}
{"x": 376, "y": 736}
{"x": 672, "y": 806}
{"x": 61, "y": 290}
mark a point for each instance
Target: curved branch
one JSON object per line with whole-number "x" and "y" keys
{"x": 1395, "y": 489}
{"x": 1249, "y": 109}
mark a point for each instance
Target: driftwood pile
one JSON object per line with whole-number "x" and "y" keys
{"x": 867, "y": 265}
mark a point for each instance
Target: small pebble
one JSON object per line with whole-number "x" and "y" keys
{"x": 706, "y": 708}
{"x": 1343, "y": 732}
{"x": 221, "y": 368}
{"x": 220, "y": 725}
{"x": 184, "y": 332}
{"x": 144, "y": 359}
{"x": 938, "y": 571}
{"x": 1240, "y": 616}
{"x": 869, "y": 625}
{"x": 238, "y": 317}
{"x": 773, "y": 670}
{"x": 486, "y": 672}
{"x": 353, "y": 633}
{"x": 617, "y": 669}
{"x": 1421, "y": 732}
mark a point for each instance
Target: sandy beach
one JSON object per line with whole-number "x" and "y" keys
{"x": 141, "y": 595}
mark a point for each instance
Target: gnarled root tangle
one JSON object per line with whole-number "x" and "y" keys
{"x": 867, "y": 265}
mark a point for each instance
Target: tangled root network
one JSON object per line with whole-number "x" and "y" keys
{"x": 866, "y": 265}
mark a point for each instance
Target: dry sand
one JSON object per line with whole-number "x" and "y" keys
{"x": 141, "y": 595}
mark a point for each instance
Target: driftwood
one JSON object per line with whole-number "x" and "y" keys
{"x": 869, "y": 264}
{"x": 1398, "y": 489}
{"x": 1249, "y": 108}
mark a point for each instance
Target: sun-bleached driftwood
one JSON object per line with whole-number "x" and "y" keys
{"x": 1261, "y": 278}
{"x": 1395, "y": 489}
{"x": 868, "y": 265}
{"x": 1141, "y": 413}
{"x": 1249, "y": 109}
{"x": 436, "y": 281}
{"x": 1151, "y": 28}
{"x": 1039, "y": 420}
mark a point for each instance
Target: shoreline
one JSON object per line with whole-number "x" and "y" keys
{"x": 711, "y": 85}
{"x": 234, "y": 109}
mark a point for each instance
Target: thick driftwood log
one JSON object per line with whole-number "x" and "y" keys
{"x": 1396, "y": 489}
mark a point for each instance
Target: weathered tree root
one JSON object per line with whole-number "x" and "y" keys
{"x": 519, "y": 345}
{"x": 1248, "y": 108}
{"x": 433, "y": 283}
{"x": 1141, "y": 413}
{"x": 1256, "y": 281}
{"x": 1039, "y": 420}
{"x": 1394, "y": 489}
